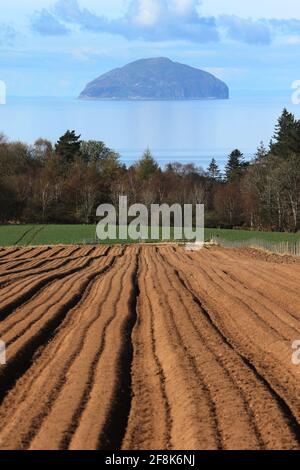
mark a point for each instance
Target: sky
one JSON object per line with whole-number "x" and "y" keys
{"x": 54, "y": 47}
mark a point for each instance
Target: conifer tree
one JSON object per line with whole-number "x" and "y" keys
{"x": 213, "y": 170}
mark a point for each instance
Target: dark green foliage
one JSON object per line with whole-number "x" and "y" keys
{"x": 68, "y": 147}
{"x": 146, "y": 167}
{"x": 287, "y": 135}
{"x": 235, "y": 166}
{"x": 213, "y": 170}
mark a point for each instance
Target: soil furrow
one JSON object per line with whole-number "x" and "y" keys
{"x": 47, "y": 374}
{"x": 270, "y": 358}
{"x": 148, "y": 347}
{"x": 150, "y": 422}
{"x": 23, "y": 291}
{"x": 26, "y": 345}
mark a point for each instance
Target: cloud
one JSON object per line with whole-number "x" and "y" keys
{"x": 69, "y": 11}
{"x": 183, "y": 7}
{"x": 291, "y": 26}
{"x": 246, "y": 30}
{"x": 163, "y": 20}
{"x": 145, "y": 13}
{"x": 7, "y": 34}
{"x": 44, "y": 23}
{"x": 149, "y": 20}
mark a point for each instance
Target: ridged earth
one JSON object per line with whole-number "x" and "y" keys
{"x": 148, "y": 347}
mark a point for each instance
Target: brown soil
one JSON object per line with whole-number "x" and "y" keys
{"x": 148, "y": 347}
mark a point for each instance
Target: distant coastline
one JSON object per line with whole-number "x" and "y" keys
{"x": 88, "y": 98}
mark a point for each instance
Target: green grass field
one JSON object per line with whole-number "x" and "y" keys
{"x": 25, "y": 235}
{"x": 247, "y": 234}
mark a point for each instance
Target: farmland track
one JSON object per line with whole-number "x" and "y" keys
{"x": 148, "y": 348}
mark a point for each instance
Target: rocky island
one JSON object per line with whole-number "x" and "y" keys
{"x": 156, "y": 79}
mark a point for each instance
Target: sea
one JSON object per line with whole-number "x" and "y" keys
{"x": 181, "y": 131}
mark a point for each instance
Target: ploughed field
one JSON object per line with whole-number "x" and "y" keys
{"x": 148, "y": 347}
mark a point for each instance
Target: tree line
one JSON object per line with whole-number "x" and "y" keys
{"x": 65, "y": 182}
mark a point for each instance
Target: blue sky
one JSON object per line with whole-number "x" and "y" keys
{"x": 54, "y": 47}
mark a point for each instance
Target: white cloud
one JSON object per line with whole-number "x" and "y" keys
{"x": 255, "y": 8}
{"x": 246, "y": 30}
{"x": 165, "y": 20}
{"x": 183, "y": 7}
{"x": 146, "y": 12}
{"x": 149, "y": 20}
{"x": 45, "y": 23}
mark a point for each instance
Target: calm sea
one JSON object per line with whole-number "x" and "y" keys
{"x": 187, "y": 131}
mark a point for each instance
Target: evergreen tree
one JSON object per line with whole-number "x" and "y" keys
{"x": 287, "y": 135}
{"x": 68, "y": 147}
{"x": 146, "y": 167}
{"x": 261, "y": 154}
{"x": 213, "y": 170}
{"x": 235, "y": 166}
